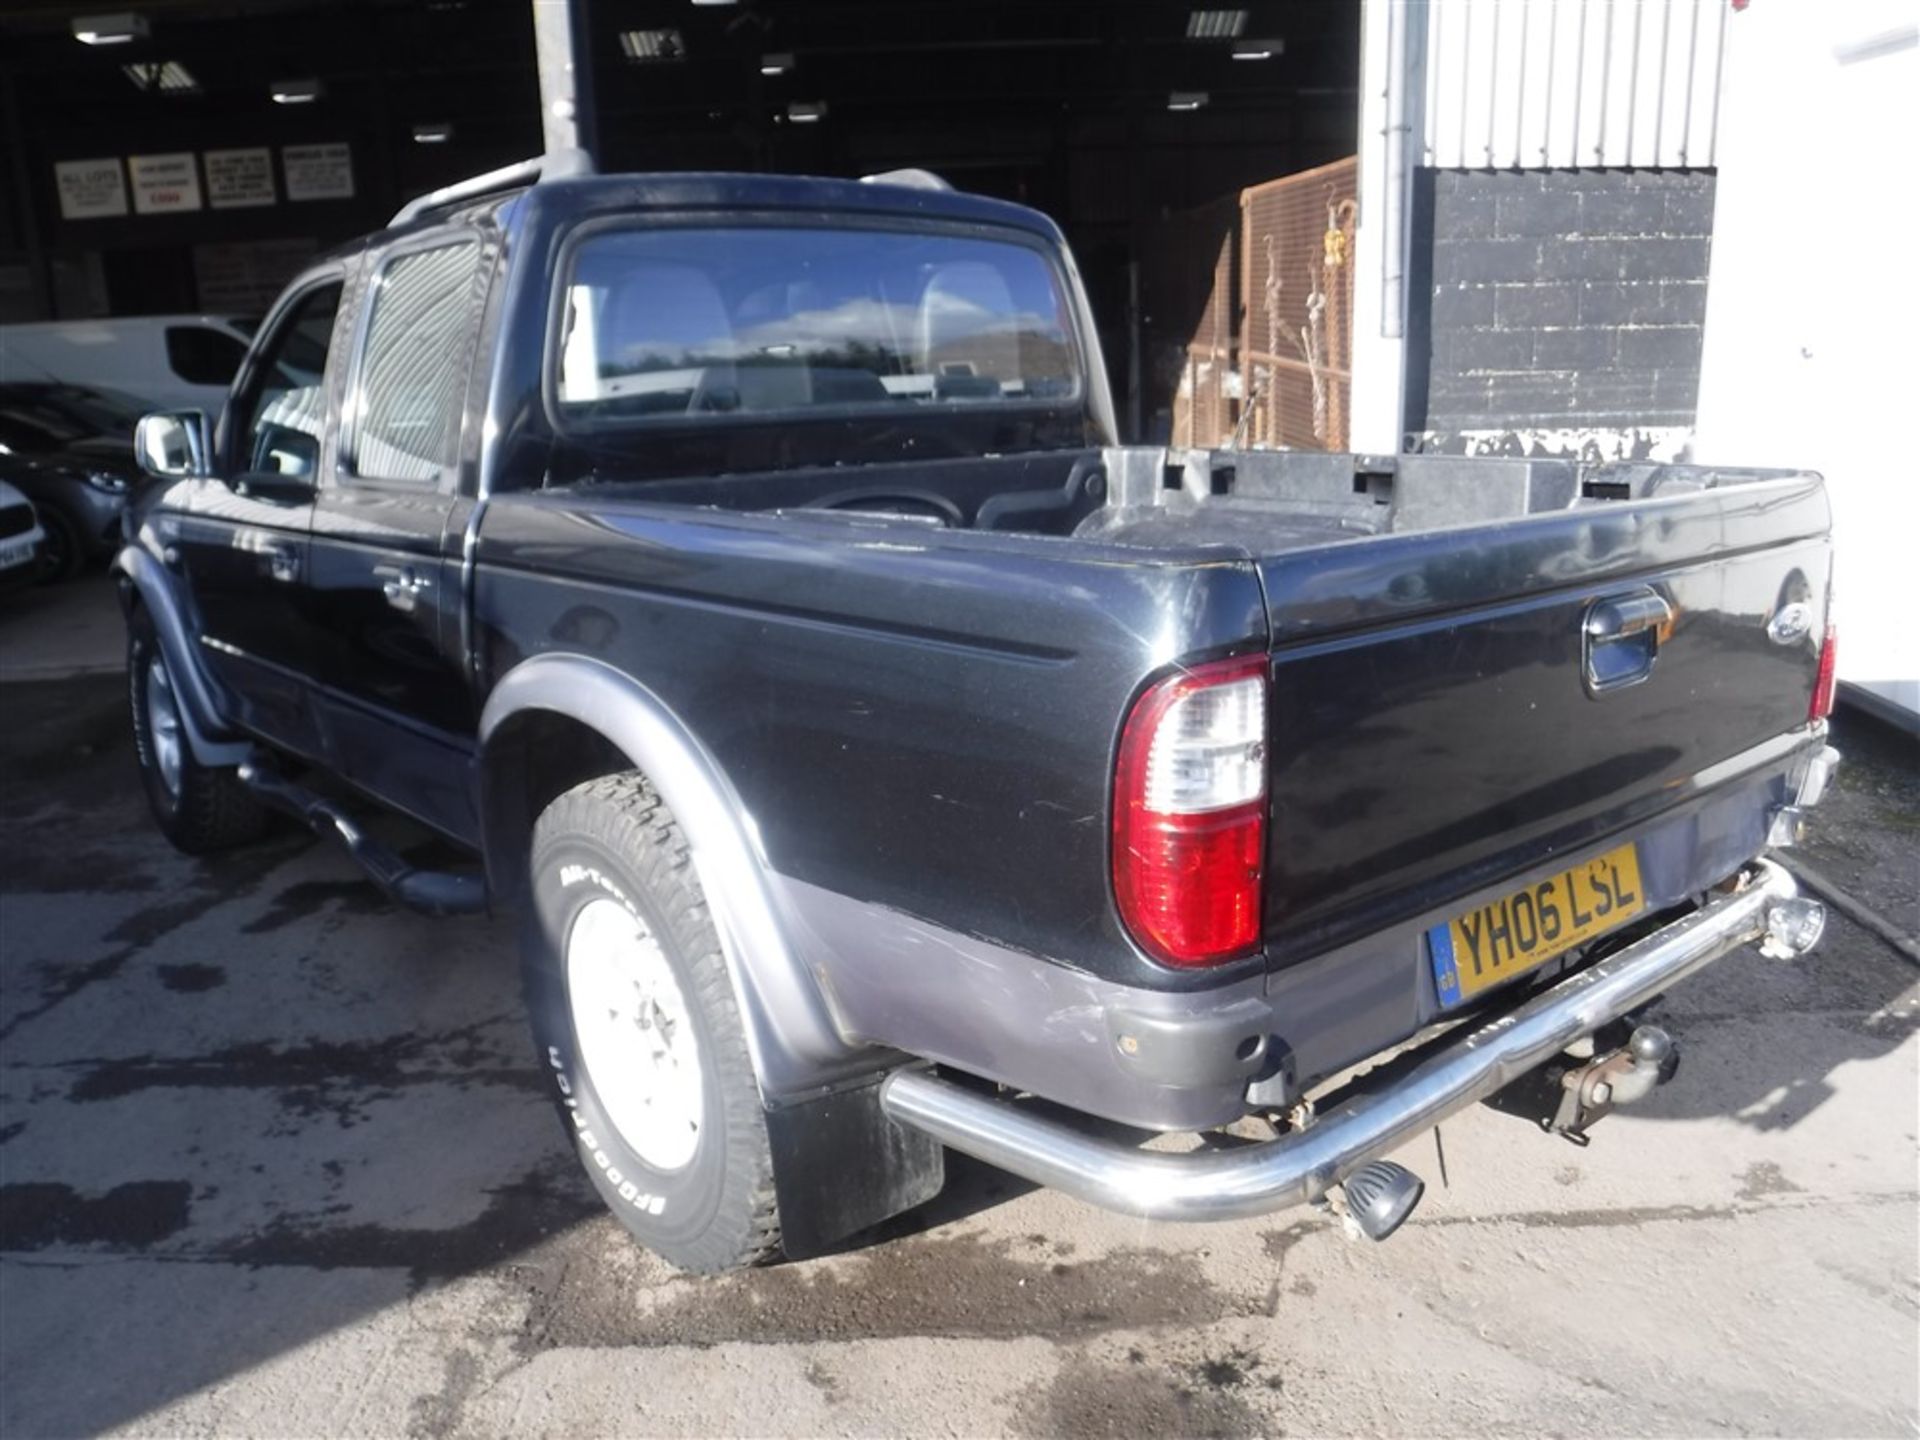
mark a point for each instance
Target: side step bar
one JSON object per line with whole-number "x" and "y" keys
{"x": 1303, "y": 1166}
{"x": 432, "y": 892}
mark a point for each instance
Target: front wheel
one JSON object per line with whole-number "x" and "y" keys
{"x": 200, "y": 808}
{"x": 636, "y": 1024}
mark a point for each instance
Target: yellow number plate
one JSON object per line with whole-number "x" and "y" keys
{"x": 1510, "y": 936}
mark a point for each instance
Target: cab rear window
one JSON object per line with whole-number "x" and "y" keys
{"x": 708, "y": 323}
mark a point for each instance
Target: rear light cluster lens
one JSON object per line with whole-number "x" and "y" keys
{"x": 1822, "y": 704}
{"x": 1190, "y": 813}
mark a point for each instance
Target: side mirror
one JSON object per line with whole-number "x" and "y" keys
{"x": 174, "y": 444}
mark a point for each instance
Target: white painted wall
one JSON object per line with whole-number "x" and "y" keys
{"x": 1813, "y": 304}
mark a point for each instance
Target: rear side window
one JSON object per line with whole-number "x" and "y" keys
{"x": 413, "y": 365}
{"x": 714, "y": 323}
{"x": 201, "y": 356}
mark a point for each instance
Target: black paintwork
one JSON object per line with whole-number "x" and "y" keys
{"x": 923, "y": 716}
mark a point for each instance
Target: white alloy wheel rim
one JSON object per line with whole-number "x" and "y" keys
{"x": 163, "y": 724}
{"x": 635, "y": 1035}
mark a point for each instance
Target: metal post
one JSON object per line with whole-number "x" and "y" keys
{"x": 1134, "y": 435}
{"x": 563, "y": 49}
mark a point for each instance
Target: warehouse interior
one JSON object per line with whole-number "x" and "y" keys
{"x": 1122, "y": 120}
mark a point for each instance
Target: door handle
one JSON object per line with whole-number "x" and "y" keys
{"x": 283, "y": 563}
{"x": 1620, "y": 639}
{"x": 403, "y": 589}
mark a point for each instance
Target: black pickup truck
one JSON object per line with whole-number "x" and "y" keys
{"x": 882, "y": 758}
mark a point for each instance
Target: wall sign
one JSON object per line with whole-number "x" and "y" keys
{"x": 164, "y": 183}
{"x": 239, "y": 178}
{"x": 318, "y": 172}
{"x": 90, "y": 188}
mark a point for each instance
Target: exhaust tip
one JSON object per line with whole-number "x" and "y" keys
{"x": 1794, "y": 927}
{"x": 1380, "y": 1197}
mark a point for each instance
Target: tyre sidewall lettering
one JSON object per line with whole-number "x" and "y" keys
{"x": 570, "y": 872}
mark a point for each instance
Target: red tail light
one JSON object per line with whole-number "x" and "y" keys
{"x": 1822, "y": 704}
{"x": 1190, "y": 813}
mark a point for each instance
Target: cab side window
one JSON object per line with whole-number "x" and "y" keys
{"x": 279, "y": 422}
{"x": 413, "y": 365}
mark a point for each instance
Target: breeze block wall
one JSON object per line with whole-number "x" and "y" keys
{"x": 1557, "y": 311}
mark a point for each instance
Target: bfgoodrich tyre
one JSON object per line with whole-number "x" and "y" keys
{"x": 635, "y": 1022}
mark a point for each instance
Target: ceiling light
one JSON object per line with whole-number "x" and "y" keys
{"x": 807, "y": 112}
{"x": 1257, "y": 49}
{"x": 437, "y": 132}
{"x": 776, "y": 64}
{"x": 713, "y": 2}
{"x": 296, "y": 92}
{"x": 167, "y": 77}
{"x": 645, "y": 46}
{"x": 109, "y": 29}
{"x": 1215, "y": 24}
{"x": 1186, "y": 99}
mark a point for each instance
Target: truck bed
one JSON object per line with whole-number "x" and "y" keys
{"x": 1429, "y": 728}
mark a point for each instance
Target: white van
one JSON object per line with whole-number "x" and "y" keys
{"x": 171, "y": 362}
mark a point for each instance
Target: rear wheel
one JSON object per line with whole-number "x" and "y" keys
{"x": 634, "y": 1016}
{"x": 200, "y": 808}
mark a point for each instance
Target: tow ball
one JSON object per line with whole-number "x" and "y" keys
{"x": 1619, "y": 1077}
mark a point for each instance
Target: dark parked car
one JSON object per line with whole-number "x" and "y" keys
{"x": 70, "y": 449}
{"x": 744, "y": 570}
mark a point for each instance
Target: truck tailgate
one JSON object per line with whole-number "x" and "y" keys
{"x": 1433, "y": 726}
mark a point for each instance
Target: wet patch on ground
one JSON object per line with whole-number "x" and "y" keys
{"x": 441, "y": 1412}
{"x": 824, "y": 1380}
{"x": 954, "y": 1286}
{"x": 191, "y": 979}
{"x": 217, "y": 880}
{"x": 1763, "y": 1178}
{"x": 1091, "y": 1401}
{"x": 134, "y": 1216}
{"x": 549, "y": 1200}
{"x": 67, "y": 754}
{"x": 307, "y": 898}
{"x": 317, "y": 1079}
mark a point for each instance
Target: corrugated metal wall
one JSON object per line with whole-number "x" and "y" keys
{"x": 1560, "y": 84}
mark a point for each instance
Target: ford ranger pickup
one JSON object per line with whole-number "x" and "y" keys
{"x": 882, "y": 759}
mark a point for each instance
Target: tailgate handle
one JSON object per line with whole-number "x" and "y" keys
{"x": 1620, "y": 639}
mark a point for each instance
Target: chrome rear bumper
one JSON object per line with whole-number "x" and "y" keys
{"x": 1304, "y": 1165}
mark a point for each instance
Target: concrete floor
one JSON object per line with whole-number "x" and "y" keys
{"x": 274, "y": 1159}
{"x": 73, "y": 628}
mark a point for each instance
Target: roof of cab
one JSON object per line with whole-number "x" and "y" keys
{"x": 815, "y": 194}
{"x": 586, "y": 196}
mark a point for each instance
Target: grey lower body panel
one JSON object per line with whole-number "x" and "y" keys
{"x": 1182, "y": 1061}
{"x": 897, "y": 981}
{"x": 1224, "y": 1184}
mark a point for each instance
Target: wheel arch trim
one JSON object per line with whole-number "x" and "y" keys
{"x": 212, "y": 741}
{"x": 791, "y": 1037}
